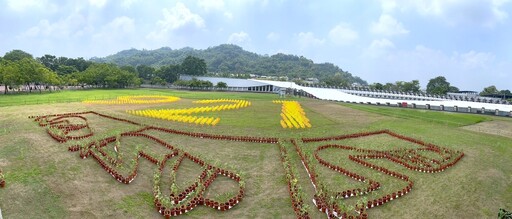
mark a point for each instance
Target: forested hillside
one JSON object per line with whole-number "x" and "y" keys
{"x": 231, "y": 59}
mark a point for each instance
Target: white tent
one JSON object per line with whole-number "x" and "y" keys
{"x": 339, "y": 95}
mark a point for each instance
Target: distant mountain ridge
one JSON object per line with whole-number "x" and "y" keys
{"x": 233, "y": 59}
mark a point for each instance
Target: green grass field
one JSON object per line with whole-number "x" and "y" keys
{"x": 45, "y": 180}
{"x": 68, "y": 96}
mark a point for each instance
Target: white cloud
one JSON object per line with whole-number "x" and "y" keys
{"x": 98, "y": 3}
{"x": 264, "y": 3}
{"x": 474, "y": 59}
{"x": 388, "y": 6}
{"x": 127, "y": 3}
{"x": 21, "y": 5}
{"x": 378, "y": 48}
{"x": 272, "y": 36}
{"x": 480, "y": 12}
{"x": 388, "y": 26}
{"x": 123, "y": 23}
{"x": 239, "y": 38}
{"x": 308, "y": 39}
{"x": 175, "y": 18}
{"x": 208, "y": 5}
{"x": 31, "y": 5}
{"x": 72, "y": 26}
{"x": 215, "y": 6}
{"x": 382, "y": 44}
{"x": 228, "y": 15}
{"x": 120, "y": 29}
{"x": 342, "y": 34}
{"x": 180, "y": 16}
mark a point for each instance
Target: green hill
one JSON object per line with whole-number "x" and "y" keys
{"x": 231, "y": 59}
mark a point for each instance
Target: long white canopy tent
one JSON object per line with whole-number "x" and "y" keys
{"x": 339, "y": 95}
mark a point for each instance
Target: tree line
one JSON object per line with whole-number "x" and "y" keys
{"x": 437, "y": 86}
{"x": 20, "y": 70}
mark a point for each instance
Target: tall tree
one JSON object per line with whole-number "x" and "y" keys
{"x": 376, "y": 86}
{"x": 506, "y": 92}
{"x": 194, "y": 66}
{"x": 389, "y": 86}
{"x": 70, "y": 80}
{"x": 146, "y": 72}
{"x": 337, "y": 80}
{"x": 438, "y": 85}
{"x": 453, "y": 89}
{"x": 16, "y": 55}
{"x": 221, "y": 84}
{"x": 49, "y": 78}
{"x": 50, "y": 61}
{"x": 79, "y": 64}
{"x": 169, "y": 73}
{"x": 413, "y": 86}
{"x": 32, "y": 72}
{"x": 403, "y": 86}
{"x": 157, "y": 81}
{"x": 128, "y": 68}
{"x": 65, "y": 70}
{"x": 199, "y": 83}
{"x": 489, "y": 90}
{"x": 107, "y": 75}
{"x": 11, "y": 75}
{"x": 3, "y": 72}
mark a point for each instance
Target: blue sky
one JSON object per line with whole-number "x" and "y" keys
{"x": 467, "y": 41}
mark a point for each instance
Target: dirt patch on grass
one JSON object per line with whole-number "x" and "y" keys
{"x": 501, "y": 128}
{"x": 3, "y": 162}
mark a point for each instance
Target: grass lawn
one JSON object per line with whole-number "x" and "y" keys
{"x": 69, "y": 96}
{"x": 45, "y": 180}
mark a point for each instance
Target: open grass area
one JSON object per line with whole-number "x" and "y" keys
{"x": 70, "y": 96}
{"x": 449, "y": 118}
{"x": 45, "y": 180}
